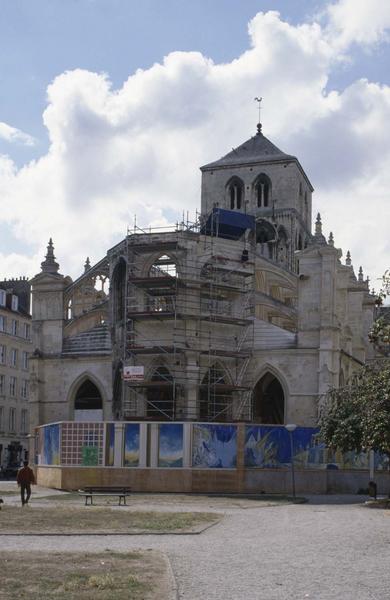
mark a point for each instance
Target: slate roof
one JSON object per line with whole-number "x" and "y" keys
{"x": 95, "y": 341}
{"x": 257, "y": 149}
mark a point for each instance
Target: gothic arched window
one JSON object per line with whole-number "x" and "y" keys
{"x": 88, "y": 397}
{"x": 263, "y": 190}
{"x": 235, "y": 193}
{"x": 268, "y": 401}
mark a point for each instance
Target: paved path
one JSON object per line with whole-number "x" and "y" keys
{"x": 319, "y": 551}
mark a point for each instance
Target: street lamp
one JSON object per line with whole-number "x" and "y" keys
{"x": 291, "y": 427}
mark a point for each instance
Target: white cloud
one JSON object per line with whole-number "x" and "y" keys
{"x": 114, "y": 153}
{"x": 358, "y": 21}
{"x": 11, "y": 134}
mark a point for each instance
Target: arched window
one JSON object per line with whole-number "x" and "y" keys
{"x": 119, "y": 289}
{"x": 69, "y": 310}
{"x": 268, "y": 401}
{"x": 265, "y": 238}
{"x": 88, "y": 403}
{"x": 215, "y": 399}
{"x": 160, "y": 397}
{"x": 163, "y": 266}
{"x": 235, "y": 193}
{"x": 263, "y": 190}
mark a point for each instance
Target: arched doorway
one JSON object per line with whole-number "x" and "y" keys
{"x": 88, "y": 403}
{"x": 215, "y": 397}
{"x": 160, "y": 396}
{"x": 268, "y": 401}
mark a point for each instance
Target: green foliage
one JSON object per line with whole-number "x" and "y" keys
{"x": 357, "y": 416}
{"x": 380, "y": 331}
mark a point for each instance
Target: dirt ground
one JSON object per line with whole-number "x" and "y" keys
{"x": 108, "y": 575}
{"x": 67, "y": 518}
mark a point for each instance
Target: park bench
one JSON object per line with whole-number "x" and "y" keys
{"x": 92, "y": 491}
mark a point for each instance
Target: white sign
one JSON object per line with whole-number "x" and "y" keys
{"x": 133, "y": 373}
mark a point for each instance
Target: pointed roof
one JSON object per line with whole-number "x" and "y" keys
{"x": 257, "y": 149}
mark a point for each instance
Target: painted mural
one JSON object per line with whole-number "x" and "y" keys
{"x": 110, "y": 443}
{"x": 214, "y": 446}
{"x": 170, "y": 445}
{"x": 269, "y": 447}
{"x": 131, "y": 454}
{"x": 89, "y": 456}
{"x": 50, "y": 453}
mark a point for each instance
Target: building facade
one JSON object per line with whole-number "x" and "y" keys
{"x": 245, "y": 315}
{"x": 15, "y": 350}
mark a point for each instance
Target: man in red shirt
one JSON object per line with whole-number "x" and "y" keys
{"x": 24, "y": 479}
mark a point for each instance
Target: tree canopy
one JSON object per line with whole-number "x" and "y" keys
{"x": 357, "y": 416}
{"x": 380, "y": 331}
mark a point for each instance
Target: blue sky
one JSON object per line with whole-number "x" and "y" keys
{"x": 46, "y": 41}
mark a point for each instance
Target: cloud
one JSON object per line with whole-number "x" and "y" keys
{"x": 358, "y": 21}
{"x": 136, "y": 150}
{"x": 11, "y": 134}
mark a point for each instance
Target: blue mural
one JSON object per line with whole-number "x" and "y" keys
{"x": 110, "y": 443}
{"x": 269, "y": 447}
{"x": 170, "y": 445}
{"x": 51, "y": 445}
{"x": 131, "y": 457}
{"x": 214, "y": 446}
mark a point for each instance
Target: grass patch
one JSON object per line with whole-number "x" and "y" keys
{"x": 103, "y": 576}
{"x": 69, "y": 519}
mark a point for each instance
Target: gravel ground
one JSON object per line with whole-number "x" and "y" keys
{"x": 328, "y": 549}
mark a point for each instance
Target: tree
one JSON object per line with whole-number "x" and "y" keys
{"x": 357, "y": 416}
{"x": 380, "y": 331}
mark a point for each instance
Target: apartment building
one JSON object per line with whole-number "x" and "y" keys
{"x": 15, "y": 349}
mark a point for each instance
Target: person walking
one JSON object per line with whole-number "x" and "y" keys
{"x": 24, "y": 479}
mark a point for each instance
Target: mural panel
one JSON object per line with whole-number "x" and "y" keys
{"x": 269, "y": 447}
{"x": 110, "y": 443}
{"x": 170, "y": 445}
{"x": 51, "y": 445}
{"x": 214, "y": 446}
{"x": 131, "y": 454}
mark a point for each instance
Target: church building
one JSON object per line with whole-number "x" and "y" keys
{"x": 245, "y": 315}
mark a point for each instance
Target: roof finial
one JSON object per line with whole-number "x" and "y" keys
{"x": 348, "y": 260}
{"x": 87, "y": 265}
{"x": 331, "y": 240}
{"x": 318, "y": 225}
{"x": 259, "y": 100}
{"x": 360, "y": 276}
{"x": 49, "y": 265}
{"x": 319, "y": 239}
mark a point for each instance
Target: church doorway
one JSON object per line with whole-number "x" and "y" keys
{"x": 268, "y": 401}
{"x": 88, "y": 404}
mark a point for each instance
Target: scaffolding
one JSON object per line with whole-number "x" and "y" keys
{"x": 189, "y": 324}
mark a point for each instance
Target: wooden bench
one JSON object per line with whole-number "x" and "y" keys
{"x": 91, "y": 491}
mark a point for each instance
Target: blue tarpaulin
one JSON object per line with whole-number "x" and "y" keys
{"x": 227, "y": 223}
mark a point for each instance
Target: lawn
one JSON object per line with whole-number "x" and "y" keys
{"x": 102, "y": 576}
{"x": 88, "y": 519}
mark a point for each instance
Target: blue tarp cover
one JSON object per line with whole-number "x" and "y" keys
{"x": 227, "y": 223}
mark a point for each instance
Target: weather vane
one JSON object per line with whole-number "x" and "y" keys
{"x": 259, "y": 100}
